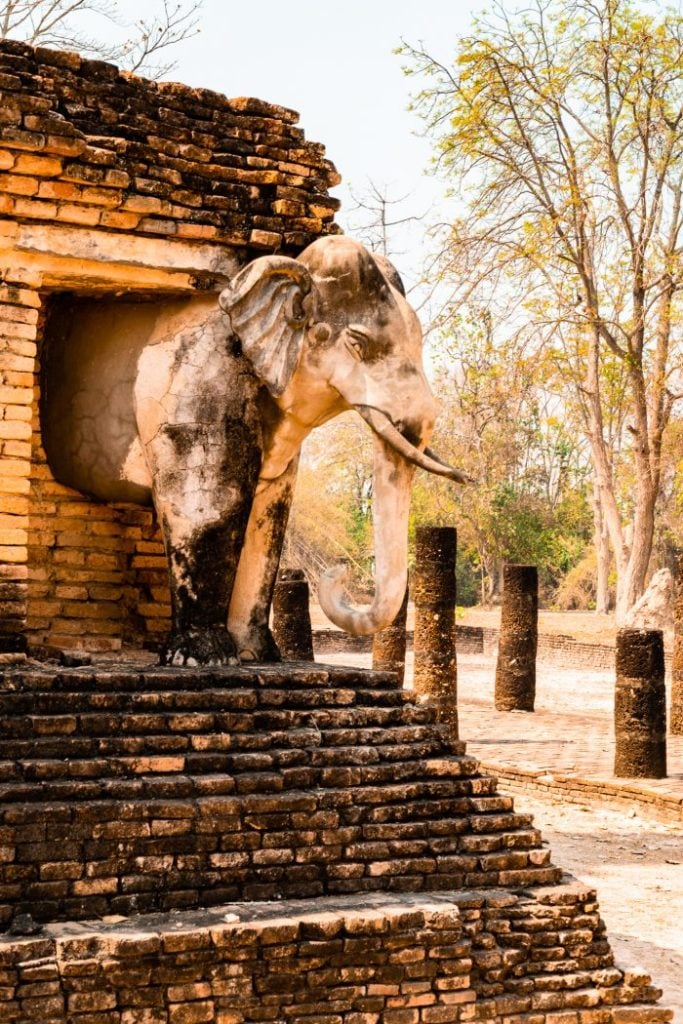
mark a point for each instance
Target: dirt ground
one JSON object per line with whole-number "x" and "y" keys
{"x": 636, "y": 865}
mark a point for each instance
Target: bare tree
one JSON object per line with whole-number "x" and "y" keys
{"x": 143, "y": 46}
{"x": 563, "y": 127}
{"x": 378, "y": 218}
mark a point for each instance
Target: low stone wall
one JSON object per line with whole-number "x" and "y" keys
{"x": 553, "y": 649}
{"x": 469, "y": 638}
{"x": 456, "y": 957}
{"x": 569, "y": 788}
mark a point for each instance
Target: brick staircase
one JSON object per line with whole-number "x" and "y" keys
{"x": 131, "y": 792}
{"x": 294, "y": 844}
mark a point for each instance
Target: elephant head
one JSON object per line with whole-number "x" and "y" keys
{"x": 331, "y": 331}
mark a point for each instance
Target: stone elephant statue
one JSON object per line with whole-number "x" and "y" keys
{"x": 201, "y": 407}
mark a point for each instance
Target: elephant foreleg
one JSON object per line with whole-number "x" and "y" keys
{"x": 201, "y": 437}
{"x": 258, "y": 566}
{"x": 203, "y": 507}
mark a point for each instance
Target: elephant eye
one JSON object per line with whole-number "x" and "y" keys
{"x": 358, "y": 342}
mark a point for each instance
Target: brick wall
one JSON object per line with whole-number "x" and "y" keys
{"x": 19, "y": 315}
{"x": 83, "y": 144}
{"x": 97, "y": 575}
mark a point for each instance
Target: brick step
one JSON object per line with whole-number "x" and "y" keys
{"x": 135, "y": 758}
{"x": 364, "y": 957}
{"x": 253, "y": 726}
{"x": 374, "y": 783}
{"x": 116, "y": 759}
{"x": 171, "y": 755}
{"x": 143, "y": 852}
{"x": 56, "y": 748}
{"x": 207, "y": 742}
{"x": 246, "y": 732}
{"x": 361, "y": 726}
{"x": 288, "y": 677}
{"x": 229, "y": 700}
{"x": 281, "y": 736}
{"x": 115, "y": 799}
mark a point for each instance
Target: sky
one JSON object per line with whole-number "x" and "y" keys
{"x": 334, "y": 63}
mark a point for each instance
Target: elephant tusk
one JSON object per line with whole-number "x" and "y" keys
{"x": 382, "y": 425}
{"x": 437, "y": 458}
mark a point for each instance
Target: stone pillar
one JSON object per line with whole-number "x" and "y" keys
{"x": 516, "y": 666}
{"x": 676, "y": 710}
{"x": 433, "y": 586}
{"x": 389, "y": 645}
{"x": 20, "y": 309}
{"x": 640, "y": 705}
{"x": 292, "y": 616}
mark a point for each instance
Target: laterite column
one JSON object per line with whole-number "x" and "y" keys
{"x": 292, "y": 616}
{"x": 640, "y": 705}
{"x": 676, "y": 710}
{"x": 389, "y": 645}
{"x": 433, "y": 586}
{"x": 516, "y": 666}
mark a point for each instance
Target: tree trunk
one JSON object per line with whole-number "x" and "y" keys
{"x": 605, "y": 509}
{"x": 603, "y": 555}
{"x": 631, "y": 581}
{"x": 496, "y": 592}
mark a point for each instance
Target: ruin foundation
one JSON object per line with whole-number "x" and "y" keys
{"x": 414, "y": 891}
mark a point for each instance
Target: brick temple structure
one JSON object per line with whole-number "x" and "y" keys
{"x": 288, "y": 843}
{"x": 111, "y": 185}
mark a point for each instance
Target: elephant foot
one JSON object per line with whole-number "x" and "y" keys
{"x": 259, "y": 646}
{"x": 195, "y": 647}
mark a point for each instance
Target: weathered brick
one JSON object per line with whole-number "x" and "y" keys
{"x": 41, "y": 166}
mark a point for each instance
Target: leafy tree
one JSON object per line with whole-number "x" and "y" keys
{"x": 63, "y": 24}
{"x": 561, "y": 127}
{"x": 503, "y": 428}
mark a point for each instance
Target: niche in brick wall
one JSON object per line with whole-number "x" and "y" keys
{"x": 97, "y": 570}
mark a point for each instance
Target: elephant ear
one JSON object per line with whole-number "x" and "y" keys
{"x": 269, "y": 306}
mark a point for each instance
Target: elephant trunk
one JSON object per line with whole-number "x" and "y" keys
{"x": 390, "y": 508}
